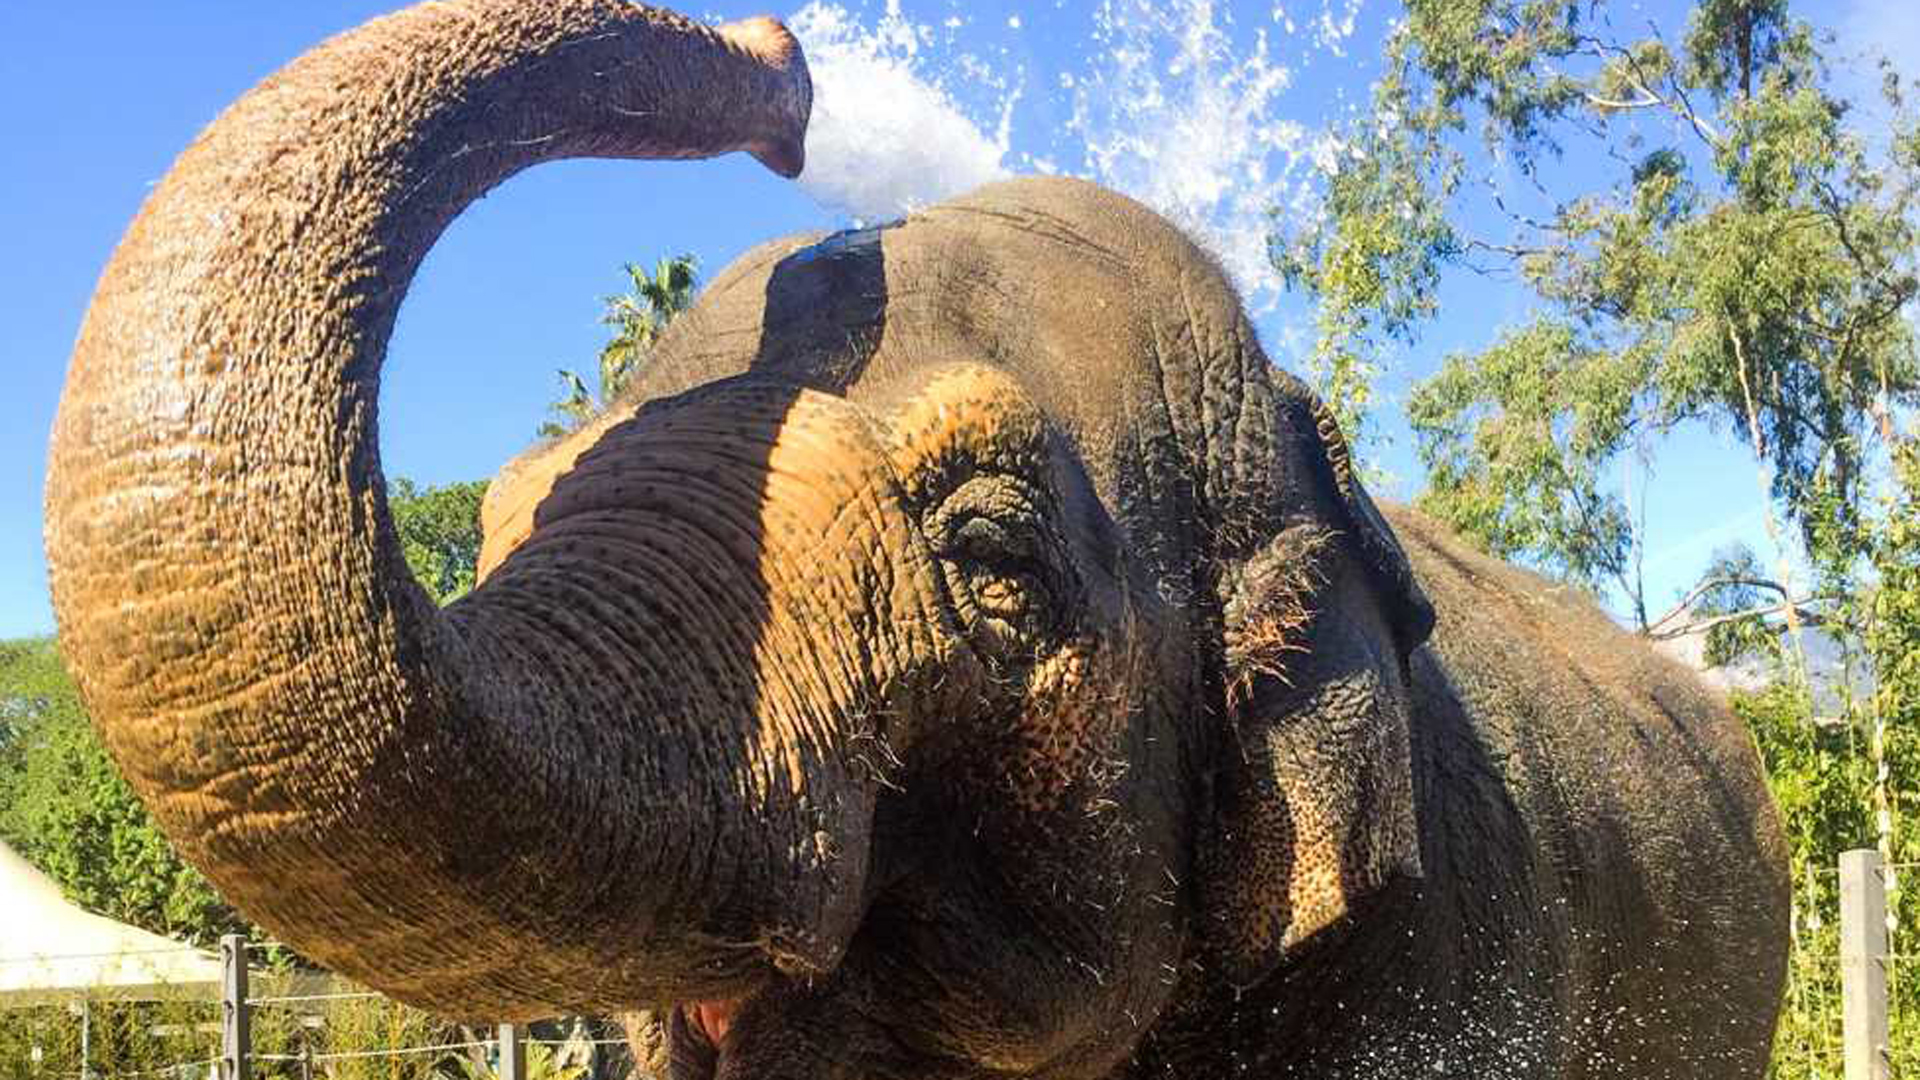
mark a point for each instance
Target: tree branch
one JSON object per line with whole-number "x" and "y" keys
{"x": 1500, "y": 201}
{"x": 1620, "y": 106}
{"x": 1797, "y": 612}
{"x": 1509, "y": 250}
{"x": 1677, "y": 104}
{"x": 1701, "y": 589}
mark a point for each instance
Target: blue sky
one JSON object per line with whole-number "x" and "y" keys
{"x": 1209, "y": 110}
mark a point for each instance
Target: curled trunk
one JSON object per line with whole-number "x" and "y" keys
{"x": 574, "y": 788}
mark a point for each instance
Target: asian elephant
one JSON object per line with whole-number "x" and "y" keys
{"x": 964, "y": 655}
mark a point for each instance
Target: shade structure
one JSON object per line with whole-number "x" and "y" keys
{"x": 53, "y": 951}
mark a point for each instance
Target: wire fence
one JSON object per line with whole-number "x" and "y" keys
{"x": 1853, "y": 992}
{"x": 44, "y": 959}
{"x": 211, "y": 1028}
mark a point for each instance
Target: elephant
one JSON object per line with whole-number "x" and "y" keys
{"x": 962, "y": 653}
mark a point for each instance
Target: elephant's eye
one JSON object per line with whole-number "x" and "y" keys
{"x": 1003, "y": 561}
{"x": 990, "y": 542}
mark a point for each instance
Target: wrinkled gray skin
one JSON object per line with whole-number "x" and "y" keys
{"x": 965, "y": 655}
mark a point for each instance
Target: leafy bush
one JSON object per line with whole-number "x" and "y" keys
{"x": 439, "y": 531}
{"x": 353, "y": 1038}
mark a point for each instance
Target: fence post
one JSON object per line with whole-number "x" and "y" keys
{"x": 513, "y": 1054}
{"x": 235, "y": 1024}
{"x": 1863, "y": 965}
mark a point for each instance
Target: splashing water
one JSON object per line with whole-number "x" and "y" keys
{"x": 885, "y": 138}
{"x": 1178, "y": 119}
{"x": 1170, "y": 102}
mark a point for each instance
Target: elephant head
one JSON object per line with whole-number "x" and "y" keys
{"x": 960, "y": 646}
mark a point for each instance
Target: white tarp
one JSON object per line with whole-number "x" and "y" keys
{"x": 52, "y": 950}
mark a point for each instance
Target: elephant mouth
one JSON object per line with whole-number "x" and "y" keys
{"x": 696, "y": 1033}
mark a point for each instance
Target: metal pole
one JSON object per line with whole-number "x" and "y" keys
{"x": 235, "y": 1025}
{"x": 513, "y": 1054}
{"x": 86, "y": 1039}
{"x": 1863, "y": 965}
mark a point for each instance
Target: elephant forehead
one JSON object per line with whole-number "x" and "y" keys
{"x": 1122, "y": 333}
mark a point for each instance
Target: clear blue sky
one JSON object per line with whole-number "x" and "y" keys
{"x": 1182, "y": 105}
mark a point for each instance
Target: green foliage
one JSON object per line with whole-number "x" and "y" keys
{"x": 1727, "y": 251}
{"x": 344, "y": 1039}
{"x": 1817, "y": 778}
{"x": 45, "y": 1041}
{"x": 1523, "y": 476}
{"x": 1374, "y": 263}
{"x": 1890, "y": 634}
{"x": 1814, "y": 780}
{"x": 358, "y": 1029}
{"x": 352, "y": 1036}
{"x": 1822, "y": 776}
{"x": 543, "y": 1063}
{"x": 64, "y": 807}
{"x": 439, "y": 531}
{"x": 33, "y": 687}
{"x": 637, "y": 316}
{"x": 1846, "y": 773}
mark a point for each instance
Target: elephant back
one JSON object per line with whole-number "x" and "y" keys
{"x": 1632, "y": 804}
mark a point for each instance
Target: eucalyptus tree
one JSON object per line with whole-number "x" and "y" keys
{"x": 1706, "y": 227}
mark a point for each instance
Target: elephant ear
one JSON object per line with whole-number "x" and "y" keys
{"x": 1411, "y": 614}
{"x": 1314, "y": 789}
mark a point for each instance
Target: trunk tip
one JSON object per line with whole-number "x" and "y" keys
{"x": 785, "y": 156}
{"x": 772, "y": 45}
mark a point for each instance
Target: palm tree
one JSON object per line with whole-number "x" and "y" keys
{"x": 637, "y": 316}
